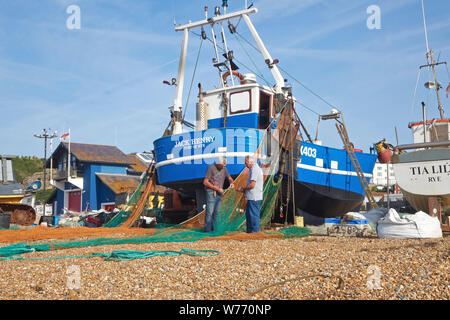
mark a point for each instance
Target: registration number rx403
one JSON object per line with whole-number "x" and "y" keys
{"x": 308, "y": 151}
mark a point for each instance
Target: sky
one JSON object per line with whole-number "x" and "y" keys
{"x": 104, "y": 80}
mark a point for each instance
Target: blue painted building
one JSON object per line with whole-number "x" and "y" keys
{"x": 96, "y": 177}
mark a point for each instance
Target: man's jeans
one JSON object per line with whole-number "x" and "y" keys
{"x": 212, "y": 209}
{"x": 252, "y": 214}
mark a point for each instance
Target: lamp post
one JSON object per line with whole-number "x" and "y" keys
{"x": 45, "y": 135}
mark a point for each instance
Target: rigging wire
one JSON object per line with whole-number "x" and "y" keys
{"x": 259, "y": 74}
{"x": 193, "y": 76}
{"x": 251, "y": 60}
{"x": 308, "y": 89}
{"x": 414, "y": 96}
{"x": 448, "y": 74}
{"x": 238, "y": 61}
{"x": 296, "y": 80}
{"x": 306, "y": 107}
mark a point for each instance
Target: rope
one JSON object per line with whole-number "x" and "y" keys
{"x": 339, "y": 286}
{"x": 13, "y": 253}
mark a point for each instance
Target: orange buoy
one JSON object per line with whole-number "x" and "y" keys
{"x": 385, "y": 156}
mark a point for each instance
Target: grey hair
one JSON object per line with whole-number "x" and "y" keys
{"x": 221, "y": 160}
{"x": 250, "y": 159}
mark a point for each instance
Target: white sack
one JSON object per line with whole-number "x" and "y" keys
{"x": 417, "y": 226}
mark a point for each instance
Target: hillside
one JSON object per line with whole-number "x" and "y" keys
{"x": 28, "y": 170}
{"x": 25, "y": 167}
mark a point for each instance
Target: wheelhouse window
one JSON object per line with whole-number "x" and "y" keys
{"x": 264, "y": 110}
{"x": 240, "y": 102}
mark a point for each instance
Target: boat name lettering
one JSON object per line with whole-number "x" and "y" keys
{"x": 434, "y": 169}
{"x": 195, "y": 141}
{"x": 308, "y": 151}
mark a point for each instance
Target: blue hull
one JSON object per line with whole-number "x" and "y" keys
{"x": 184, "y": 158}
{"x": 326, "y": 183}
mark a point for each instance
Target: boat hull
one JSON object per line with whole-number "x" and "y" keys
{"x": 325, "y": 202}
{"x": 326, "y": 184}
{"x": 423, "y": 174}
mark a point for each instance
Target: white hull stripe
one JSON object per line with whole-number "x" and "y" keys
{"x": 243, "y": 154}
{"x": 333, "y": 171}
{"x": 205, "y": 156}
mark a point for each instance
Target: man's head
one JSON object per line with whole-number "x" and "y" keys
{"x": 221, "y": 162}
{"x": 249, "y": 161}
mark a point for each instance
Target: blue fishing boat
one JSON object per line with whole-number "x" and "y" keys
{"x": 232, "y": 121}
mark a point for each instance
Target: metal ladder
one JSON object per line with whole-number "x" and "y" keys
{"x": 348, "y": 146}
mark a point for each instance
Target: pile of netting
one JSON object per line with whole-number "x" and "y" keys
{"x": 124, "y": 214}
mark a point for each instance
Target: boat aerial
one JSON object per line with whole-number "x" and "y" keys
{"x": 231, "y": 121}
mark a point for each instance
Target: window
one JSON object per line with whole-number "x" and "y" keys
{"x": 240, "y": 102}
{"x": 264, "y": 110}
{"x": 9, "y": 171}
{"x": 146, "y": 157}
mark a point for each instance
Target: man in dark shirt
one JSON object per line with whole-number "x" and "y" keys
{"x": 214, "y": 178}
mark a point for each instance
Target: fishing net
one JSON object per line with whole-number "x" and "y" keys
{"x": 230, "y": 220}
{"x": 124, "y": 214}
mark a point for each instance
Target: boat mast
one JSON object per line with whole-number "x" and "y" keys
{"x": 270, "y": 62}
{"x": 425, "y": 27}
{"x": 176, "y": 110}
{"x": 433, "y": 64}
{"x": 217, "y": 12}
{"x": 177, "y": 107}
{"x": 440, "y": 107}
{"x": 224, "y": 41}
{"x": 218, "y": 18}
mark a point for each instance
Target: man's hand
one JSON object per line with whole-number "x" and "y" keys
{"x": 220, "y": 190}
{"x": 232, "y": 185}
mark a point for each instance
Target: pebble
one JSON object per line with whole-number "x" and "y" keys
{"x": 289, "y": 269}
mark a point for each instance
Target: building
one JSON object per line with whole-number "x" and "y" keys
{"x": 380, "y": 175}
{"x": 99, "y": 176}
{"x": 10, "y": 190}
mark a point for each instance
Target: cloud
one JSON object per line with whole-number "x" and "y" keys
{"x": 282, "y": 8}
{"x": 341, "y": 18}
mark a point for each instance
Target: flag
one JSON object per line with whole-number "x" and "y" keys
{"x": 448, "y": 90}
{"x": 65, "y": 135}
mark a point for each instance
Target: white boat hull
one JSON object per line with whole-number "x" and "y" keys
{"x": 423, "y": 174}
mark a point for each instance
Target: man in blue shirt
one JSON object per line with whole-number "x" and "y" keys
{"x": 253, "y": 193}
